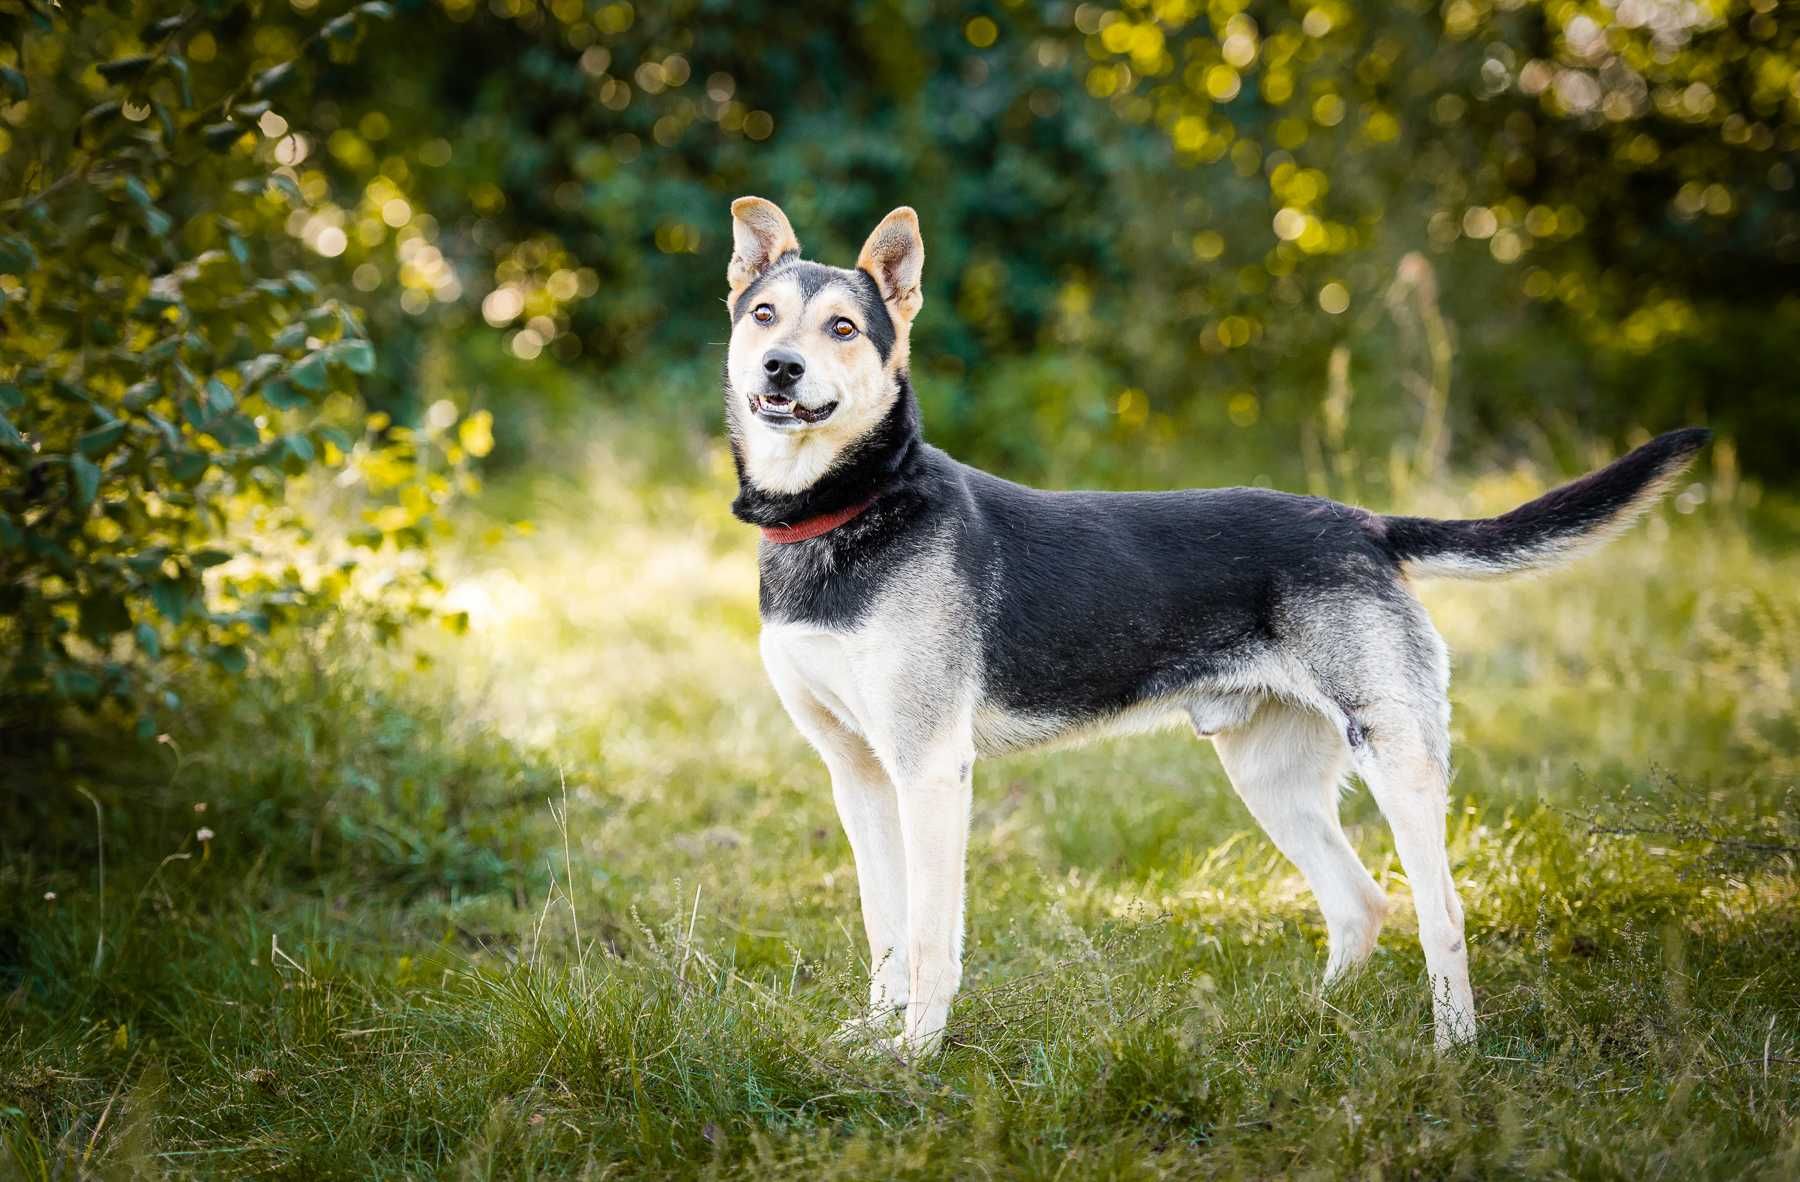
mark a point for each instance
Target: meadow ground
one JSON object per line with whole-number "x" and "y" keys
{"x": 566, "y": 896}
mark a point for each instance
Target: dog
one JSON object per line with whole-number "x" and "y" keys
{"x": 919, "y": 613}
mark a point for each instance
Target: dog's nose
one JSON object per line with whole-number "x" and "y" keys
{"x": 784, "y": 367}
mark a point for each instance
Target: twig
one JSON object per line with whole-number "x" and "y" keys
{"x": 687, "y": 946}
{"x": 94, "y": 1139}
{"x": 562, "y": 823}
{"x": 100, "y": 839}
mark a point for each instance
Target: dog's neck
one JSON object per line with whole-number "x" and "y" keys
{"x": 873, "y": 467}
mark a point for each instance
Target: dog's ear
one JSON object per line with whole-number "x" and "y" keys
{"x": 760, "y": 234}
{"x": 894, "y": 256}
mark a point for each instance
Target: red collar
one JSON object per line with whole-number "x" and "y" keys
{"x": 812, "y": 527}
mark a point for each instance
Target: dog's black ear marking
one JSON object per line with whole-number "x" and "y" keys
{"x": 760, "y": 238}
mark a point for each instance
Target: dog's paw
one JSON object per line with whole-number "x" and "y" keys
{"x": 864, "y": 1029}
{"x": 909, "y": 1049}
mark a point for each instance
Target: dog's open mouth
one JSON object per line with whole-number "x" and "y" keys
{"x": 780, "y": 410}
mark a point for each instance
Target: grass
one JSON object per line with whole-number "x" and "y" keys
{"x": 571, "y": 900}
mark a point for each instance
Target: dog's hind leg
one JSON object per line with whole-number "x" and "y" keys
{"x": 1405, "y": 762}
{"x": 1286, "y": 763}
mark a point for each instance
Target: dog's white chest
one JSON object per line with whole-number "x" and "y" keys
{"x": 818, "y": 664}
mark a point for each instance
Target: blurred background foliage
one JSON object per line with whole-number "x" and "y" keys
{"x": 1168, "y": 240}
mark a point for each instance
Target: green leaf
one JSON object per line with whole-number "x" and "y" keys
{"x": 356, "y": 356}
{"x": 291, "y": 337}
{"x": 229, "y": 657}
{"x": 221, "y": 136}
{"x": 219, "y": 396}
{"x": 100, "y": 440}
{"x": 14, "y": 82}
{"x": 10, "y": 397}
{"x": 100, "y": 112}
{"x": 258, "y": 368}
{"x": 178, "y": 66}
{"x": 71, "y": 681}
{"x": 10, "y": 437}
{"x": 102, "y": 614}
{"x": 148, "y": 640}
{"x": 134, "y": 189}
{"x": 206, "y": 559}
{"x": 16, "y": 255}
{"x": 142, "y": 394}
{"x": 147, "y": 562}
{"x": 187, "y": 467}
{"x": 377, "y": 8}
{"x": 84, "y": 477}
{"x": 298, "y": 455}
{"x": 340, "y": 28}
{"x": 288, "y": 186}
{"x": 122, "y": 68}
{"x": 282, "y": 396}
{"x": 234, "y": 430}
{"x": 171, "y": 435}
{"x": 170, "y": 598}
{"x": 273, "y": 79}
{"x": 309, "y": 374}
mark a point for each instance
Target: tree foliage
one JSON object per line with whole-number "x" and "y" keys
{"x": 1141, "y": 215}
{"x": 169, "y": 364}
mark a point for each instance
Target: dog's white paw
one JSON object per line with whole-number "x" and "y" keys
{"x": 864, "y": 1029}
{"x": 911, "y": 1049}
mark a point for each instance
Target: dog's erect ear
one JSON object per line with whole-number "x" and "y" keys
{"x": 760, "y": 234}
{"x": 895, "y": 256}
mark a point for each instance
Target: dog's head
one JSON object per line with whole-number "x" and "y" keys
{"x": 817, "y": 353}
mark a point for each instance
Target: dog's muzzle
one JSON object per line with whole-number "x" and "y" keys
{"x": 776, "y": 405}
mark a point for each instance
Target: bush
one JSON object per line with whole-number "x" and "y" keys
{"x": 170, "y": 368}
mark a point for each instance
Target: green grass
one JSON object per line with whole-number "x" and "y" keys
{"x": 571, "y": 900}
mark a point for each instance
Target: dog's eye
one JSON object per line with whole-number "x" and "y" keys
{"x": 842, "y": 329}
{"x": 763, "y": 313}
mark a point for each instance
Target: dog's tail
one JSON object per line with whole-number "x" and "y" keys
{"x": 1563, "y": 523}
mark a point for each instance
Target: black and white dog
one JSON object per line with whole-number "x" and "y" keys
{"x": 918, "y": 613}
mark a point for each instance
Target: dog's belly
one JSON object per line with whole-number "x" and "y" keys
{"x": 1207, "y": 709}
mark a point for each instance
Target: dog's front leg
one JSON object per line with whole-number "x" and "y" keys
{"x": 934, "y": 819}
{"x": 870, "y": 810}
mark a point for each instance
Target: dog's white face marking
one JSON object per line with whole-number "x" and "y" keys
{"x": 792, "y": 429}
{"x": 816, "y": 353}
